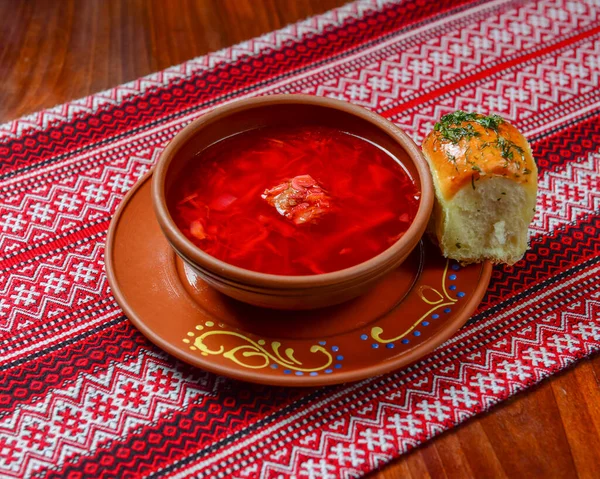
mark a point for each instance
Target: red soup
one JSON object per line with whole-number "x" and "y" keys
{"x": 294, "y": 200}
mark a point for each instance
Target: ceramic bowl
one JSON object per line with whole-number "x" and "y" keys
{"x": 277, "y": 291}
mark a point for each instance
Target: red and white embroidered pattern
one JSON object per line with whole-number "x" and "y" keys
{"x": 83, "y": 394}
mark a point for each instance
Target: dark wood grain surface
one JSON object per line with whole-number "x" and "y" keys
{"x": 55, "y": 51}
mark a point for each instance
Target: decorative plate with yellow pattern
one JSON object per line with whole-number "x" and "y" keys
{"x": 404, "y": 317}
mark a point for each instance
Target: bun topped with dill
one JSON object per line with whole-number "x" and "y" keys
{"x": 485, "y": 181}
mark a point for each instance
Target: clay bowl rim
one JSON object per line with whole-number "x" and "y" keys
{"x": 191, "y": 253}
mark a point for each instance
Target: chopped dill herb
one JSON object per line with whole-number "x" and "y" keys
{"x": 457, "y": 117}
{"x": 454, "y": 134}
{"x": 491, "y": 122}
{"x": 506, "y": 148}
{"x": 451, "y": 128}
{"x": 467, "y": 151}
{"x": 452, "y": 158}
{"x": 458, "y": 245}
{"x": 498, "y": 199}
{"x": 458, "y": 126}
{"x": 503, "y": 193}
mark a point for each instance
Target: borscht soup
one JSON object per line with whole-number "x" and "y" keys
{"x": 293, "y": 200}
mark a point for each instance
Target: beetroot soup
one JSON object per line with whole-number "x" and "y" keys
{"x": 293, "y": 200}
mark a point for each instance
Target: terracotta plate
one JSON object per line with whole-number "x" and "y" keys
{"x": 407, "y": 315}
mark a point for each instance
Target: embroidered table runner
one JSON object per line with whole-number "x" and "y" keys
{"x": 84, "y": 394}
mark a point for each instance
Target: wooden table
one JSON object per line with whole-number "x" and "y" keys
{"x": 55, "y": 51}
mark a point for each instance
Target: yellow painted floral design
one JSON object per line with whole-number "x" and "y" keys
{"x": 249, "y": 353}
{"x": 431, "y": 296}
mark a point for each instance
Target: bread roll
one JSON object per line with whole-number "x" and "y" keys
{"x": 485, "y": 181}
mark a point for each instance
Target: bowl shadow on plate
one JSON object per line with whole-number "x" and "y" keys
{"x": 308, "y": 324}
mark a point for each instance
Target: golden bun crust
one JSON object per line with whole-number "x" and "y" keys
{"x": 459, "y": 164}
{"x": 485, "y": 181}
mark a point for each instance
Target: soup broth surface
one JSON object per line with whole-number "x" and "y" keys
{"x": 293, "y": 200}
